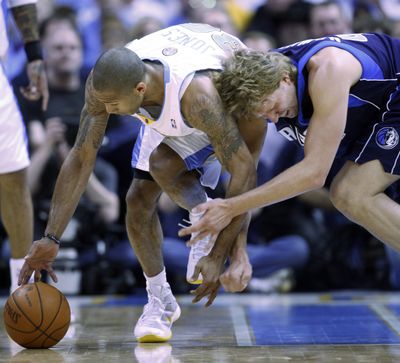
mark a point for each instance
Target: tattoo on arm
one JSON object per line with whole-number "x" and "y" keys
{"x": 93, "y": 120}
{"x": 26, "y": 18}
{"x": 208, "y": 115}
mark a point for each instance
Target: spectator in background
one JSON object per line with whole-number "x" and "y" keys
{"x": 328, "y": 18}
{"x": 15, "y": 201}
{"x": 258, "y": 41}
{"x": 284, "y": 20}
{"x": 146, "y": 25}
{"x": 216, "y": 17}
{"x": 52, "y": 133}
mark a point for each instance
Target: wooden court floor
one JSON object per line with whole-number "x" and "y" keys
{"x": 344, "y": 327}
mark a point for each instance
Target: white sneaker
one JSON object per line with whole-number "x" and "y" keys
{"x": 200, "y": 249}
{"x": 154, "y": 325}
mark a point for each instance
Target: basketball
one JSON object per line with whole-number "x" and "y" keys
{"x": 37, "y": 315}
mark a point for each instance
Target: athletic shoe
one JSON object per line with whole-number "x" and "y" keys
{"x": 200, "y": 249}
{"x": 159, "y": 313}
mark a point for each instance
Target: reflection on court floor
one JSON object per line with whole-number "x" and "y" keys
{"x": 346, "y": 327}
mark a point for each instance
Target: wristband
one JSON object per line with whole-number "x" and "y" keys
{"x": 33, "y": 50}
{"x": 53, "y": 238}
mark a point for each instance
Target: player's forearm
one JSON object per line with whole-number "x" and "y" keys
{"x": 71, "y": 183}
{"x": 238, "y": 251}
{"x": 26, "y": 19}
{"x": 298, "y": 179}
{"x": 239, "y": 183}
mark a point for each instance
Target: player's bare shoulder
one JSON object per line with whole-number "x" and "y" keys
{"x": 200, "y": 98}
{"x": 337, "y": 59}
{"x": 204, "y": 110}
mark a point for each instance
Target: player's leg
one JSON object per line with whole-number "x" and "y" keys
{"x": 184, "y": 188}
{"x": 170, "y": 172}
{"x": 15, "y": 198}
{"x": 17, "y": 218}
{"x": 358, "y": 192}
{"x": 145, "y": 235}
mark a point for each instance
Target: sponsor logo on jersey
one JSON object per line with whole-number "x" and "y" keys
{"x": 387, "y": 138}
{"x": 173, "y": 123}
{"x": 169, "y": 51}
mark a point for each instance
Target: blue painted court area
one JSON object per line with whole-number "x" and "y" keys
{"x": 354, "y": 319}
{"x": 319, "y": 324}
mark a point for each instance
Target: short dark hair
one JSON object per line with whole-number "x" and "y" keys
{"x": 118, "y": 69}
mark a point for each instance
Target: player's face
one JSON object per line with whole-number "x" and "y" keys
{"x": 280, "y": 103}
{"x": 121, "y": 103}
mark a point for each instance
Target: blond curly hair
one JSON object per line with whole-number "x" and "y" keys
{"x": 248, "y": 76}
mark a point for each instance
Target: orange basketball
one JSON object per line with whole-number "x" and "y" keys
{"x": 37, "y": 315}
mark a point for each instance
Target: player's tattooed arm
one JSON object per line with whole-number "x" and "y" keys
{"x": 205, "y": 111}
{"x": 26, "y": 18}
{"x": 93, "y": 121}
{"x": 77, "y": 167}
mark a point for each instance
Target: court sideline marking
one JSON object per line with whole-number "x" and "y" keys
{"x": 387, "y": 315}
{"x": 240, "y": 326}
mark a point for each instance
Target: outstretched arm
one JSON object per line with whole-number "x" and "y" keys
{"x": 331, "y": 66}
{"x": 71, "y": 183}
{"x": 26, "y": 19}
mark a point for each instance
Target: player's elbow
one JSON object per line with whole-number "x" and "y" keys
{"x": 317, "y": 178}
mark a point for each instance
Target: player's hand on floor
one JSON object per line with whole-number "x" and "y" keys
{"x": 211, "y": 270}
{"x": 236, "y": 276}
{"x": 40, "y": 257}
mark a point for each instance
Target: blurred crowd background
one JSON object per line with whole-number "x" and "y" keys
{"x": 303, "y": 244}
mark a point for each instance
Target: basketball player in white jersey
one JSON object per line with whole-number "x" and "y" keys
{"x": 167, "y": 78}
{"x": 15, "y": 199}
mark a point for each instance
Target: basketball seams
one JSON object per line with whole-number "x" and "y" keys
{"x": 60, "y": 328}
{"x": 43, "y": 336}
{"x": 41, "y": 304}
{"x": 24, "y": 314}
{"x": 55, "y": 315}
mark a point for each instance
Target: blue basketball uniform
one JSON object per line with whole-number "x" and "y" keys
{"x": 373, "y": 118}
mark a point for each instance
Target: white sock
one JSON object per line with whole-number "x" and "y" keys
{"x": 154, "y": 283}
{"x": 15, "y": 268}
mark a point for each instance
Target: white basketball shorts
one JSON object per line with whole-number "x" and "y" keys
{"x": 195, "y": 150}
{"x": 13, "y": 139}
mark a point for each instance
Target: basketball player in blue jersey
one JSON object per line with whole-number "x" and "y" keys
{"x": 168, "y": 80}
{"x": 339, "y": 98}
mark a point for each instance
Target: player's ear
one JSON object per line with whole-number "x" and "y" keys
{"x": 286, "y": 79}
{"x": 141, "y": 87}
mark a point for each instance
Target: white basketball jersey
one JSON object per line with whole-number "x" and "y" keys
{"x": 182, "y": 50}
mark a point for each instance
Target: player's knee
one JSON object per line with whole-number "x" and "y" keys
{"x": 137, "y": 202}
{"x": 346, "y": 198}
{"x": 14, "y": 182}
{"x": 165, "y": 164}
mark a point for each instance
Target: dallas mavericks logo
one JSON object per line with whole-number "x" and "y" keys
{"x": 387, "y": 138}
